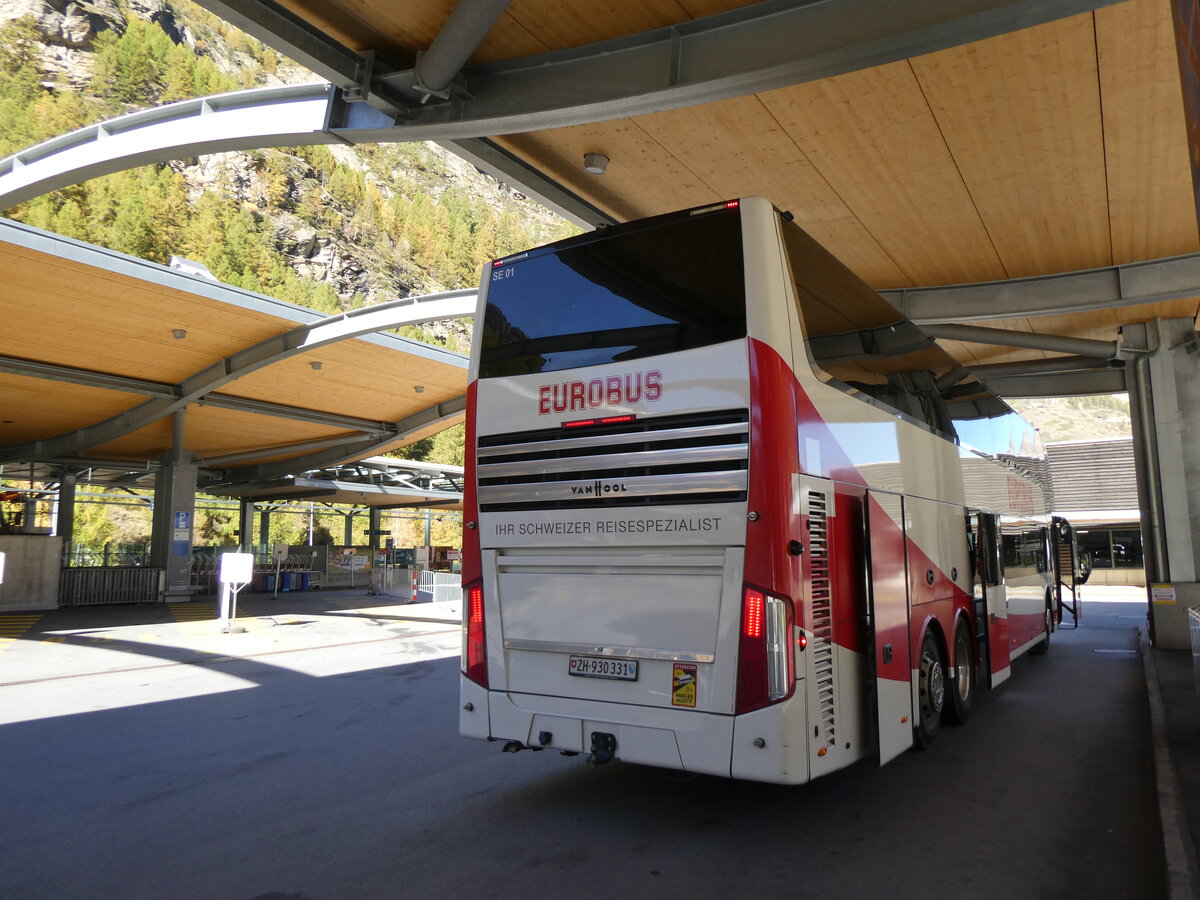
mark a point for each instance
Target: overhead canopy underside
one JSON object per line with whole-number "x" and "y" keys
{"x": 1047, "y": 149}
{"x": 101, "y": 338}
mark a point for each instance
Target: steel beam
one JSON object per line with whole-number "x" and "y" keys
{"x": 1057, "y": 365}
{"x": 1053, "y": 343}
{"x": 243, "y": 120}
{"x": 90, "y": 378}
{"x": 759, "y": 47}
{"x": 1064, "y": 384}
{"x": 1151, "y": 281}
{"x": 489, "y": 157}
{"x": 408, "y": 311}
{"x": 292, "y": 36}
{"x": 271, "y": 450}
{"x": 445, "y": 414}
{"x": 459, "y": 37}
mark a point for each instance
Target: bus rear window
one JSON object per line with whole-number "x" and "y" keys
{"x": 617, "y": 295}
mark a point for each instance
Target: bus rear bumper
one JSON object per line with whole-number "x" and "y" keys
{"x": 670, "y": 738}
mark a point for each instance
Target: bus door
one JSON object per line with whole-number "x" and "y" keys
{"x": 991, "y": 601}
{"x": 1068, "y": 573}
{"x": 888, "y": 607}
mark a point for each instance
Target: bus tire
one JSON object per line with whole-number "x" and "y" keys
{"x": 931, "y": 692}
{"x": 962, "y": 685}
{"x": 1042, "y": 646}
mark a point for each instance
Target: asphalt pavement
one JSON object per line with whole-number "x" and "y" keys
{"x": 146, "y": 754}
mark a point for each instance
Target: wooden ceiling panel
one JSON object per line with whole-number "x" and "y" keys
{"x": 559, "y": 24}
{"x": 643, "y": 178}
{"x": 399, "y": 30}
{"x": 1021, "y": 116}
{"x": 708, "y": 142}
{"x": 871, "y": 135}
{"x": 209, "y": 431}
{"x": 34, "y": 408}
{"x": 112, "y": 323}
{"x": 1151, "y": 206}
{"x": 364, "y": 380}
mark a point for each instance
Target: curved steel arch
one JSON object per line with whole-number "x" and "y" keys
{"x": 242, "y": 120}
{"x": 407, "y": 311}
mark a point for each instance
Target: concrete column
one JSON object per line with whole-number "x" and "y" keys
{"x": 264, "y": 526}
{"x": 348, "y": 531}
{"x": 1165, "y": 400}
{"x": 375, "y": 517}
{"x": 175, "y": 514}
{"x": 64, "y": 523}
{"x": 245, "y": 525}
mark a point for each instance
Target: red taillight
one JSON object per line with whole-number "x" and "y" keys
{"x": 474, "y": 640}
{"x": 607, "y": 420}
{"x": 754, "y": 613}
{"x": 765, "y": 667}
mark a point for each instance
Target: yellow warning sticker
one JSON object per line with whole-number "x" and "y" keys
{"x": 683, "y": 684}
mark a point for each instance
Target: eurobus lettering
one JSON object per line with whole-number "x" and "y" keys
{"x": 611, "y": 391}
{"x": 788, "y": 532}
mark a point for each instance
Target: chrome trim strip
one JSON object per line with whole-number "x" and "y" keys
{"x": 576, "y": 442}
{"x": 697, "y": 564}
{"x": 595, "y": 489}
{"x": 581, "y": 464}
{"x": 622, "y": 652}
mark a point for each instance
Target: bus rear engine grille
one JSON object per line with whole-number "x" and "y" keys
{"x": 698, "y": 458}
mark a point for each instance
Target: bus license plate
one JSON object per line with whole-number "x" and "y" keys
{"x": 603, "y": 667}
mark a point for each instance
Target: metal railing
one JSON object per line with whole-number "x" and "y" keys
{"x": 439, "y": 586}
{"x": 94, "y": 586}
{"x": 110, "y": 555}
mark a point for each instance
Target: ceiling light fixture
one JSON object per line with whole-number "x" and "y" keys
{"x": 315, "y": 366}
{"x": 179, "y": 334}
{"x": 595, "y": 163}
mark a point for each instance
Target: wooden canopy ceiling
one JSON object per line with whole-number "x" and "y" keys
{"x": 103, "y": 331}
{"x": 1051, "y": 149}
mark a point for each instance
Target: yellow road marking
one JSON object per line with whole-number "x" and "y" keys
{"x": 13, "y": 627}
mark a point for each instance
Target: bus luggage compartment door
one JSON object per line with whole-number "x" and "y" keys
{"x": 891, "y": 672}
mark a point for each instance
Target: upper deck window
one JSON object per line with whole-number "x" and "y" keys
{"x": 656, "y": 287}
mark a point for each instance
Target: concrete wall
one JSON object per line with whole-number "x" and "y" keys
{"x": 1118, "y": 576}
{"x": 31, "y": 567}
{"x": 1171, "y": 626}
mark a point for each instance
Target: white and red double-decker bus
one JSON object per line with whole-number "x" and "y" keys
{"x": 727, "y": 511}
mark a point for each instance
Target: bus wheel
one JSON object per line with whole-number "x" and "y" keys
{"x": 1043, "y": 645}
{"x": 962, "y": 685}
{"x": 931, "y": 691}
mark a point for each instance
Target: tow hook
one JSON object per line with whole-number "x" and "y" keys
{"x": 604, "y": 748}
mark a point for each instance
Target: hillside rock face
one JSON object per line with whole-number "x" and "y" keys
{"x": 67, "y": 23}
